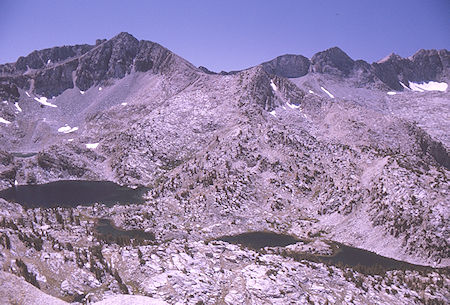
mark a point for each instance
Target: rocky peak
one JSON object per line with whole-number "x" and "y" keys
{"x": 111, "y": 59}
{"x": 332, "y": 61}
{"x": 99, "y": 41}
{"x": 288, "y": 65}
{"x": 423, "y": 66}
{"x": 391, "y": 70}
{"x": 269, "y": 91}
{"x": 430, "y": 64}
{"x": 122, "y": 55}
{"x": 257, "y": 81}
{"x": 206, "y": 70}
{"x": 422, "y": 53}
{"x": 390, "y": 58}
{"x": 52, "y": 69}
{"x": 123, "y": 36}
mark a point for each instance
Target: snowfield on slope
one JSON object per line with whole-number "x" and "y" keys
{"x": 327, "y": 92}
{"x": 2, "y": 120}
{"x": 67, "y": 129}
{"x": 92, "y": 145}
{"x": 430, "y": 86}
{"x": 43, "y": 101}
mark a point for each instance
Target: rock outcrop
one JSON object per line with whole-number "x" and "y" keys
{"x": 289, "y": 66}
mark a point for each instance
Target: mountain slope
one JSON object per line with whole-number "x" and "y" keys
{"x": 316, "y": 148}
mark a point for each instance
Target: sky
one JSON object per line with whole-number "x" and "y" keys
{"x": 231, "y": 34}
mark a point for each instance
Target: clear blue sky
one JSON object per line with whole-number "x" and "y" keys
{"x": 231, "y": 34}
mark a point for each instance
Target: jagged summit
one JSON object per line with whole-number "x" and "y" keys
{"x": 332, "y": 61}
{"x": 391, "y": 57}
{"x": 124, "y": 36}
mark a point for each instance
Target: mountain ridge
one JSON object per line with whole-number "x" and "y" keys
{"x": 112, "y": 58}
{"x": 123, "y": 53}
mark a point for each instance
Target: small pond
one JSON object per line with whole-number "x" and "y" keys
{"x": 359, "y": 259}
{"x": 24, "y": 154}
{"x": 259, "y": 240}
{"x": 72, "y": 193}
{"x": 106, "y": 231}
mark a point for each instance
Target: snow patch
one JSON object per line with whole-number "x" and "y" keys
{"x": 92, "y": 145}
{"x": 67, "y": 129}
{"x": 100, "y": 88}
{"x": 26, "y": 92}
{"x": 404, "y": 86}
{"x": 43, "y": 101}
{"x": 64, "y": 129}
{"x": 430, "y": 86}
{"x": 327, "y": 92}
{"x": 292, "y": 106}
{"x": 48, "y": 62}
{"x": 272, "y": 84}
{"x": 16, "y": 183}
{"x": 273, "y": 112}
{"x": 124, "y": 104}
{"x": 392, "y": 93}
{"x": 5, "y": 102}
{"x": 82, "y": 92}
{"x": 415, "y": 88}
{"x": 2, "y": 120}
{"x": 312, "y": 92}
{"x": 69, "y": 140}
{"x": 18, "y": 107}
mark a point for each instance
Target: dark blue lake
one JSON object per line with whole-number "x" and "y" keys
{"x": 107, "y": 231}
{"x": 259, "y": 240}
{"x": 359, "y": 259}
{"x": 71, "y": 193}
